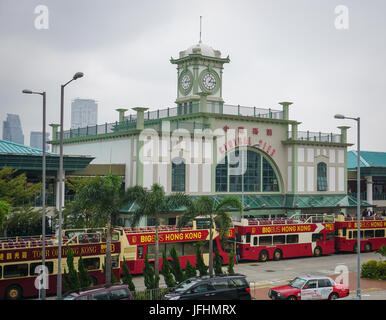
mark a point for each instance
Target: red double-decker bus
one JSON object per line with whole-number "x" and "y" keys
{"x": 141, "y": 243}
{"x": 19, "y": 257}
{"x": 264, "y": 239}
{"x": 373, "y": 233}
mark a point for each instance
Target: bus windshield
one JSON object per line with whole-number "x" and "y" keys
{"x": 297, "y": 283}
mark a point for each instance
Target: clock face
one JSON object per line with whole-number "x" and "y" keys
{"x": 209, "y": 81}
{"x": 185, "y": 82}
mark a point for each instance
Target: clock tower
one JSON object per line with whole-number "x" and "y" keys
{"x": 199, "y": 79}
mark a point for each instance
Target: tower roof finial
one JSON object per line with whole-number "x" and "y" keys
{"x": 200, "y": 27}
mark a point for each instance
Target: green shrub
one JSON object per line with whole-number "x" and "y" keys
{"x": 381, "y": 266}
{"x": 369, "y": 270}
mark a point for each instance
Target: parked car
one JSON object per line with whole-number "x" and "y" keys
{"x": 310, "y": 288}
{"x": 227, "y": 287}
{"x": 114, "y": 292}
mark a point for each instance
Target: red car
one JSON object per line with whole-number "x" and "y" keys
{"x": 310, "y": 288}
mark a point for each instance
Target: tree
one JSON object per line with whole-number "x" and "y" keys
{"x": 176, "y": 267}
{"x": 200, "y": 265}
{"x": 102, "y": 198}
{"x": 190, "y": 271}
{"x": 217, "y": 263}
{"x": 84, "y": 277}
{"x": 167, "y": 271}
{"x": 205, "y": 206}
{"x": 154, "y": 203}
{"x": 25, "y": 221}
{"x": 127, "y": 278}
{"x": 150, "y": 278}
{"x": 5, "y": 208}
{"x": 231, "y": 260}
{"x": 15, "y": 190}
{"x": 71, "y": 278}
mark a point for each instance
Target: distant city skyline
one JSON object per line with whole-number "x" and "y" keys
{"x": 36, "y": 139}
{"x": 12, "y": 129}
{"x": 84, "y": 112}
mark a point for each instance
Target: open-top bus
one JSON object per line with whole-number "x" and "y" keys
{"x": 141, "y": 242}
{"x": 373, "y": 233}
{"x": 264, "y": 239}
{"x": 19, "y": 257}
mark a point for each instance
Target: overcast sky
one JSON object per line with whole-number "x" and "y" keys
{"x": 279, "y": 51}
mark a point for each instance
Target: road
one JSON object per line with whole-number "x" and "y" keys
{"x": 265, "y": 275}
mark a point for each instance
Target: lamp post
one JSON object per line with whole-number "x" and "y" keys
{"x": 42, "y": 291}
{"x": 358, "y": 120}
{"x": 61, "y": 181}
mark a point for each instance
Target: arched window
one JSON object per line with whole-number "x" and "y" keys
{"x": 245, "y": 171}
{"x": 322, "y": 176}
{"x": 178, "y": 174}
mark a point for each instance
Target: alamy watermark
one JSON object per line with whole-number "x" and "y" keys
{"x": 342, "y": 17}
{"x": 41, "y": 21}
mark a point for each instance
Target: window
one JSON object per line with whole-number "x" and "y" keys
{"x": 115, "y": 261}
{"x": 380, "y": 233}
{"x": 245, "y": 171}
{"x": 91, "y": 263}
{"x": 178, "y": 174}
{"x": 317, "y": 237}
{"x": 119, "y": 294}
{"x": 239, "y": 282}
{"x": 189, "y": 248}
{"x": 330, "y": 236}
{"x": 369, "y": 233}
{"x": 311, "y": 284}
{"x": 345, "y": 231}
{"x": 100, "y": 296}
{"x": 255, "y": 241}
{"x": 48, "y": 264}
{"x": 293, "y": 238}
{"x": 324, "y": 283}
{"x": 266, "y": 240}
{"x": 16, "y": 270}
{"x": 248, "y": 238}
{"x": 140, "y": 252}
{"x": 220, "y": 284}
{"x": 201, "y": 288}
{"x": 322, "y": 177}
{"x": 278, "y": 239}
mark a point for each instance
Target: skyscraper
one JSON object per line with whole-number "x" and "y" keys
{"x": 84, "y": 112}
{"x": 36, "y": 139}
{"x": 12, "y": 129}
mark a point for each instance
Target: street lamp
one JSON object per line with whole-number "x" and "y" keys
{"x": 358, "y": 120}
{"x": 42, "y": 291}
{"x": 61, "y": 178}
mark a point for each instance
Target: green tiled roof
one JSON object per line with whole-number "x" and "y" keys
{"x": 259, "y": 201}
{"x": 367, "y": 159}
{"x": 15, "y": 148}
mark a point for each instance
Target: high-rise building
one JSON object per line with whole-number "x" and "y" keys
{"x": 36, "y": 140}
{"x": 84, "y": 112}
{"x": 12, "y": 130}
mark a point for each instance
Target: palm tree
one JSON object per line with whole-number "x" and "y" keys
{"x": 205, "y": 206}
{"x": 103, "y": 197}
{"x": 154, "y": 203}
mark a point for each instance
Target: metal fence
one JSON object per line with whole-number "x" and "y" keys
{"x": 317, "y": 136}
{"x": 150, "y": 294}
{"x": 151, "y": 117}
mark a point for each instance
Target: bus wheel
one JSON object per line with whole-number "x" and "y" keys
{"x": 277, "y": 255}
{"x": 368, "y": 247}
{"x": 13, "y": 292}
{"x": 317, "y": 252}
{"x": 263, "y": 256}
